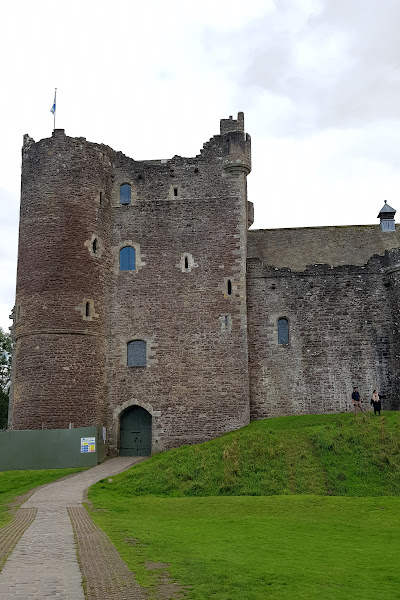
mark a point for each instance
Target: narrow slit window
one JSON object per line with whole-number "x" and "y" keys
{"x": 136, "y": 353}
{"x": 94, "y": 246}
{"x": 87, "y": 309}
{"x": 229, "y": 287}
{"x": 186, "y": 262}
{"x": 283, "y": 331}
{"x": 125, "y": 193}
{"x": 175, "y": 191}
{"x": 226, "y": 321}
{"x": 127, "y": 260}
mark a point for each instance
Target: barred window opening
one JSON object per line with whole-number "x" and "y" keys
{"x": 125, "y": 193}
{"x": 136, "y": 353}
{"x": 283, "y": 331}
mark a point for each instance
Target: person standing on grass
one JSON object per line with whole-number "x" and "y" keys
{"x": 376, "y": 402}
{"x": 357, "y": 401}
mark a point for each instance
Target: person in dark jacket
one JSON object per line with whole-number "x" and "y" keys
{"x": 357, "y": 401}
{"x": 376, "y": 402}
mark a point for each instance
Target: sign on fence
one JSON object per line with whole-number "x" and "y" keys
{"x": 88, "y": 444}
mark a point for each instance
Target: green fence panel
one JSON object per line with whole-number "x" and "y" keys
{"x": 51, "y": 448}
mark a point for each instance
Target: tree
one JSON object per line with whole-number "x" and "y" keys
{"x": 5, "y": 375}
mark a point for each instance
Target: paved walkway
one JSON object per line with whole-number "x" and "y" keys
{"x": 106, "y": 576}
{"x": 44, "y": 562}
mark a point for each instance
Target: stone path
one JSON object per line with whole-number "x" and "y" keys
{"x": 44, "y": 562}
{"x": 11, "y": 533}
{"x": 106, "y": 576}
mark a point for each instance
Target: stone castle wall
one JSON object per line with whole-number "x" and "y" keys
{"x": 195, "y": 383}
{"x": 296, "y": 248}
{"x": 339, "y": 313}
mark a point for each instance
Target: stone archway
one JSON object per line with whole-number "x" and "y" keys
{"x": 135, "y": 432}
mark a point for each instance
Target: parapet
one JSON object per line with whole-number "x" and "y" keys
{"x": 232, "y": 145}
{"x": 58, "y": 132}
{"x": 28, "y": 141}
{"x": 228, "y": 125}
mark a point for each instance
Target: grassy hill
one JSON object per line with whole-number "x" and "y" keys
{"x": 270, "y": 512}
{"x": 317, "y": 454}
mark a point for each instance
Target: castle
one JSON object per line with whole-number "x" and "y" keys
{"x": 145, "y": 304}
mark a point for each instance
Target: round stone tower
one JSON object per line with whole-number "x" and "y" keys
{"x": 62, "y": 284}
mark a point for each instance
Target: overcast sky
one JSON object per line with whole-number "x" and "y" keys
{"x": 318, "y": 81}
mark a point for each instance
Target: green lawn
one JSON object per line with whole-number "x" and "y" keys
{"x": 261, "y": 548}
{"x": 288, "y": 508}
{"x": 16, "y": 483}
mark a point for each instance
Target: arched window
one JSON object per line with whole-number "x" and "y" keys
{"x": 127, "y": 260}
{"x": 283, "y": 331}
{"x": 136, "y": 353}
{"x": 125, "y": 193}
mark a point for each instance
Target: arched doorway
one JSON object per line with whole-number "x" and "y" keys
{"x": 135, "y": 437}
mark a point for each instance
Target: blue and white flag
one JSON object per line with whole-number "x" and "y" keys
{"x": 53, "y": 108}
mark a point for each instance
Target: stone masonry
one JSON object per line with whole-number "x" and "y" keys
{"x": 205, "y": 296}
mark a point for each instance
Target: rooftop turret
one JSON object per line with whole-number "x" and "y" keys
{"x": 386, "y": 217}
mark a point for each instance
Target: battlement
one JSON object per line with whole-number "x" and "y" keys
{"x": 232, "y": 144}
{"x": 228, "y": 125}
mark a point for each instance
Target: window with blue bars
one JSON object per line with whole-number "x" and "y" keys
{"x": 283, "y": 331}
{"x": 136, "y": 353}
{"x": 125, "y": 193}
{"x": 127, "y": 259}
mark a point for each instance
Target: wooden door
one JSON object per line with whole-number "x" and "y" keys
{"x": 135, "y": 437}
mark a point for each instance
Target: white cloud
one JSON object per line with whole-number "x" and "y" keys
{"x": 338, "y": 65}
